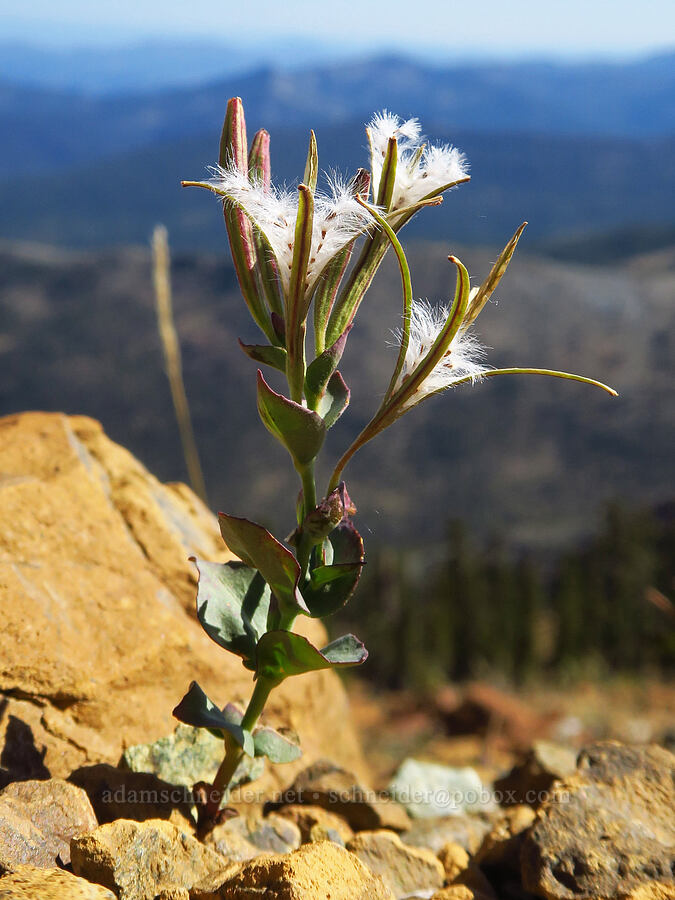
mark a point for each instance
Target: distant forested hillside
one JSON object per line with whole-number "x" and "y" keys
{"x": 529, "y": 458}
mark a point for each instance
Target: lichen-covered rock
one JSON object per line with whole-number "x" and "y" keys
{"x": 608, "y": 829}
{"x": 328, "y": 785}
{"x": 97, "y": 549}
{"x": 467, "y": 831}
{"x": 529, "y": 782}
{"x": 137, "y": 860}
{"x": 501, "y": 846}
{"x": 321, "y": 871}
{"x": 187, "y": 756}
{"x": 32, "y": 883}
{"x": 38, "y": 820}
{"x": 308, "y": 817}
{"x": 405, "y": 869}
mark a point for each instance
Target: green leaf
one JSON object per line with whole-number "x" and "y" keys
{"x": 300, "y": 430}
{"x": 331, "y": 586}
{"x": 283, "y": 653}
{"x": 323, "y": 575}
{"x": 487, "y": 288}
{"x": 326, "y": 291}
{"x": 406, "y": 285}
{"x": 397, "y": 400}
{"x": 312, "y": 165}
{"x": 320, "y": 370}
{"x": 335, "y": 401}
{"x": 232, "y": 605}
{"x": 256, "y": 547}
{"x": 197, "y": 710}
{"x": 302, "y": 246}
{"x": 276, "y": 747}
{"x": 269, "y": 356}
{"x": 385, "y": 189}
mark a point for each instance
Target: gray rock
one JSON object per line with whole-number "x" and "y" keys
{"x": 607, "y": 829}
{"x": 274, "y": 833}
{"x": 467, "y": 831}
{"x": 429, "y": 790}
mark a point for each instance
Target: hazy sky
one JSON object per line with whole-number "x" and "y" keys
{"x": 466, "y": 28}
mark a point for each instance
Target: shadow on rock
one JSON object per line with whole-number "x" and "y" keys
{"x": 120, "y": 794}
{"x": 20, "y": 758}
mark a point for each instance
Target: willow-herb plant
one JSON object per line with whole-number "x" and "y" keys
{"x": 292, "y": 252}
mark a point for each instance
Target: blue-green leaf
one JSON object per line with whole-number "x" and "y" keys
{"x": 269, "y": 356}
{"x": 347, "y": 650}
{"x": 300, "y": 430}
{"x": 232, "y": 605}
{"x": 256, "y": 547}
{"x": 283, "y": 653}
{"x": 197, "y": 710}
{"x": 320, "y": 370}
{"x": 276, "y": 747}
{"x": 330, "y": 586}
{"x": 335, "y": 400}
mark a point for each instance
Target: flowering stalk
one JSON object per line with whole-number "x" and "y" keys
{"x": 291, "y": 251}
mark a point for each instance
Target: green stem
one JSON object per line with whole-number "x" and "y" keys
{"x": 308, "y": 504}
{"x": 233, "y": 752}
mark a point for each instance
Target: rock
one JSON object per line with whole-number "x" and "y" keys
{"x": 314, "y": 872}
{"x": 307, "y": 817}
{"x": 454, "y": 860}
{"x": 501, "y": 846}
{"x": 467, "y": 831}
{"x": 119, "y": 794}
{"x": 428, "y": 790}
{"x": 475, "y": 879}
{"x": 187, "y": 756}
{"x": 404, "y": 869}
{"x": 462, "y": 892}
{"x": 98, "y": 550}
{"x": 606, "y": 830}
{"x": 487, "y": 709}
{"x": 653, "y": 891}
{"x": 273, "y": 833}
{"x": 530, "y": 781}
{"x": 31, "y": 883}
{"x": 38, "y": 820}
{"x": 137, "y": 860}
{"x": 231, "y": 844}
{"x": 319, "y": 833}
{"x": 326, "y": 784}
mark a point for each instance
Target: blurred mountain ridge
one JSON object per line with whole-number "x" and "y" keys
{"x": 530, "y": 458}
{"x": 48, "y": 129}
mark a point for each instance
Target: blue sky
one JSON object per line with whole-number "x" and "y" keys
{"x": 490, "y": 27}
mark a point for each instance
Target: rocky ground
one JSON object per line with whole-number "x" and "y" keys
{"x": 506, "y": 800}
